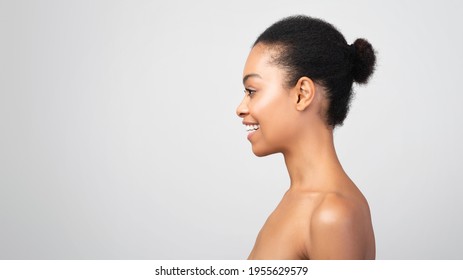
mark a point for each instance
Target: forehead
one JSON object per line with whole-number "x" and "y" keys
{"x": 259, "y": 62}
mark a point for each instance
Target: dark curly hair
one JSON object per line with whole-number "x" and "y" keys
{"x": 313, "y": 48}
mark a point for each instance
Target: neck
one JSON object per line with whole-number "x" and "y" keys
{"x": 312, "y": 162}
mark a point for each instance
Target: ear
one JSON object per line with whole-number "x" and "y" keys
{"x": 305, "y": 93}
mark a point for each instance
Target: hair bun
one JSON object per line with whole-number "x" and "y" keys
{"x": 364, "y": 61}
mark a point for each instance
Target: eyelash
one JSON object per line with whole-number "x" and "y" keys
{"x": 249, "y": 92}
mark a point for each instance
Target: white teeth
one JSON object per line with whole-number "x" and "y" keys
{"x": 252, "y": 127}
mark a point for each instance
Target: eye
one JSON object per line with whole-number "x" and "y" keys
{"x": 249, "y": 92}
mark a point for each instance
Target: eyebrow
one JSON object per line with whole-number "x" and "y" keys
{"x": 249, "y": 76}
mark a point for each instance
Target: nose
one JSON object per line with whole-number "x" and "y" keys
{"x": 242, "y": 110}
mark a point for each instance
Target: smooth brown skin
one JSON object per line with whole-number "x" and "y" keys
{"x": 323, "y": 215}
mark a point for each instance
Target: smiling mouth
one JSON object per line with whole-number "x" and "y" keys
{"x": 252, "y": 127}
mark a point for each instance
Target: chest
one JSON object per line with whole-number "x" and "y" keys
{"x": 285, "y": 233}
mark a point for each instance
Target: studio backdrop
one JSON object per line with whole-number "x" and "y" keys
{"x": 119, "y": 138}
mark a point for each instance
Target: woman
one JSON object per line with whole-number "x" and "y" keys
{"x": 298, "y": 82}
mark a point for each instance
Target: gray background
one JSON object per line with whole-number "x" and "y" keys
{"x": 119, "y": 138}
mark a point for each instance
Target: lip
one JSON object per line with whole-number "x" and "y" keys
{"x": 250, "y": 134}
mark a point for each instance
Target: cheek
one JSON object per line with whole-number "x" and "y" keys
{"x": 274, "y": 115}
{"x": 270, "y": 105}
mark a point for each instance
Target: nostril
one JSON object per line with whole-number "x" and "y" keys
{"x": 241, "y": 113}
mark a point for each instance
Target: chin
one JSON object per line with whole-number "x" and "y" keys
{"x": 261, "y": 152}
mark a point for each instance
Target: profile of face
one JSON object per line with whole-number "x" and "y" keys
{"x": 268, "y": 108}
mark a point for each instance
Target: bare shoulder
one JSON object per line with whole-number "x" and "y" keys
{"x": 336, "y": 210}
{"x": 341, "y": 229}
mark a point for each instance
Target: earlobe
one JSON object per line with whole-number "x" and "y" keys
{"x": 305, "y": 90}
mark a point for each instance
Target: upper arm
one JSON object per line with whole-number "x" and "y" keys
{"x": 336, "y": 231}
